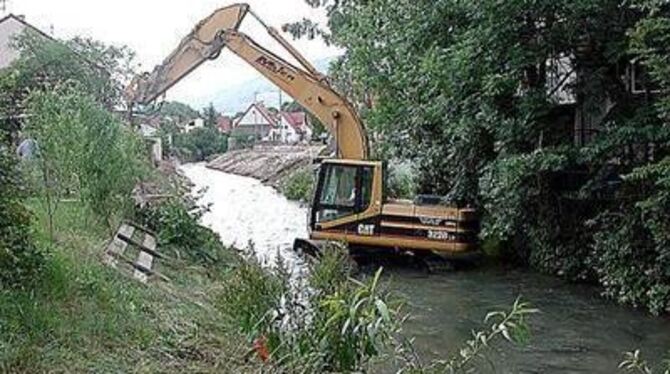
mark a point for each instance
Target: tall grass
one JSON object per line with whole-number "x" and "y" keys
{"x": 83, "y": 316}
{"x": 329, "y": 323}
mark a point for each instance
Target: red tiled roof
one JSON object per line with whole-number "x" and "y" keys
{"x": 297, "y": 120}
{"x": 225, "y": 124}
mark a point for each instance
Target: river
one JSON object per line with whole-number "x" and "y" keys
{"x": 576, "y": 331}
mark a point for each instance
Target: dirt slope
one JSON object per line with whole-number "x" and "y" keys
{"x": 267, "y": 163}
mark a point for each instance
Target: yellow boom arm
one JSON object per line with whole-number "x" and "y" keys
{"x": 305, "y": 84}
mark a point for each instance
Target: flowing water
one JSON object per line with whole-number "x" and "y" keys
{"x": 576, "y": 331}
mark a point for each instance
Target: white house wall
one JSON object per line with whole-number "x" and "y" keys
{"x": 9, "y": 29}
{"x": 253, "y": 117}
{"x": 288, "y": 133}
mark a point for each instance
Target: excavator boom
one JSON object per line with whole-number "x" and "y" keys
{"x": 308, "y": 87}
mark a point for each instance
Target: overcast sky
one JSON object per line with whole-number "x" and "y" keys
{"x": 153, "y": 28}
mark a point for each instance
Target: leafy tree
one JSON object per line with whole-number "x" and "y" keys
{"x": 100, "y": 70}
{"x": 179, "y": 112}
{"x": 200, "y": 143}
{"x": 475, "y": 92}
{"x": 85, "y": 151}
{"x": 21, "y": 261}
{"x": 211, "y": 116}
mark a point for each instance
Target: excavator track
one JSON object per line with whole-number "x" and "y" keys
{"x": 435, "y": 264}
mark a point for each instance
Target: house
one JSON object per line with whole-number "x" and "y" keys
{"x": 578, "y": 116}
{"x": 197, "y": 123}
{"x": 591, "y": 114}
{"x": 148, "y": 129}
{"x": 268, "y": 125}
{"x": 293, "y": 127}
{"x": 257, "y": 121}
{"x": 11, "y": 27}
{"x": 225, "y": 124}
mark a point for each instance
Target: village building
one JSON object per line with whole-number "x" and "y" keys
{"x": 189, "y": 126}
{"x": 257, "y": 121}
{"x": 12, "y": 26}
{"x": 225, "y": 124}
{"x": 293, "y": 127}
{"x": 265, "y": 124}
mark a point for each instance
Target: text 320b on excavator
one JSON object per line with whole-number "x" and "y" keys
{"x": 349, "y": 202}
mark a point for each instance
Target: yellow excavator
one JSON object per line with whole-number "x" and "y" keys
{"x": 349, "y": 202}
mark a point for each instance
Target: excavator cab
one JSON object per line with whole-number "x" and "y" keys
{"x": 347, "y": 199}
{"x": 343, "y": 190}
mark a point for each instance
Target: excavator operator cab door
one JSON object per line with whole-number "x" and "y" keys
{"x": 342, "y": 190}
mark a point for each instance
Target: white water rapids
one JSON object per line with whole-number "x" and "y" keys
{"x": 245, "y": 212}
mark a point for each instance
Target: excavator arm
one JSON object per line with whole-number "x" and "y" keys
{"x": 304, "y": 83}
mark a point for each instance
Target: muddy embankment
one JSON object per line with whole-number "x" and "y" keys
{"x": 267, "y": 163}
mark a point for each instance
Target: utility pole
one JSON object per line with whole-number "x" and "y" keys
{"x": 3, "y": 6}
{"x": 281, "y": 101}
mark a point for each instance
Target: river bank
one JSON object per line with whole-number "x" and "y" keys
{"x": 269, "y": 164}
{"x": 576, "y": 331}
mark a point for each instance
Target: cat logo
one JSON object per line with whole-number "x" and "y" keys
{"x": 367, "y": 230}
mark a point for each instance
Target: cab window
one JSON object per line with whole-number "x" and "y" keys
{"x": 339, "y": 186}
{"x": 345, "y": 190}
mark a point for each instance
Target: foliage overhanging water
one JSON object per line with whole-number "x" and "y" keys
{"x": 577, "y": 331}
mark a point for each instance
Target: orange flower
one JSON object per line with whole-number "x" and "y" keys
{"x": 260, "y": 345}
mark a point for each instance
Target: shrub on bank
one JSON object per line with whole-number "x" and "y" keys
{"x": 179, "y": 231}
{"x": 84, "y": 152}
{"x": 332, "y": 323}
{"x": 199, "y": 144}
{"x": 631, "y": 249}
{"x": 21, "y": 261}
{"x": 299, "y": 185}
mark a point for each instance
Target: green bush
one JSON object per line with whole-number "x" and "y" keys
{"x": 21, "y": 261}
{"x": 631, "y": 247}
{"x": 251, "y": 295}
{"x": 199, "y": 144}
{"x": 400, "y": 183}
{"x": 332, "y": 323}
{"x": 299, "y": 185}
{"x": 178, "y": 230}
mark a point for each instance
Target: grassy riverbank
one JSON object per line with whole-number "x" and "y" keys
{"x": 85, "y": 316}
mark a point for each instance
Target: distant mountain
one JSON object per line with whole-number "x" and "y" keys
{"x": 238, "y": 97}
